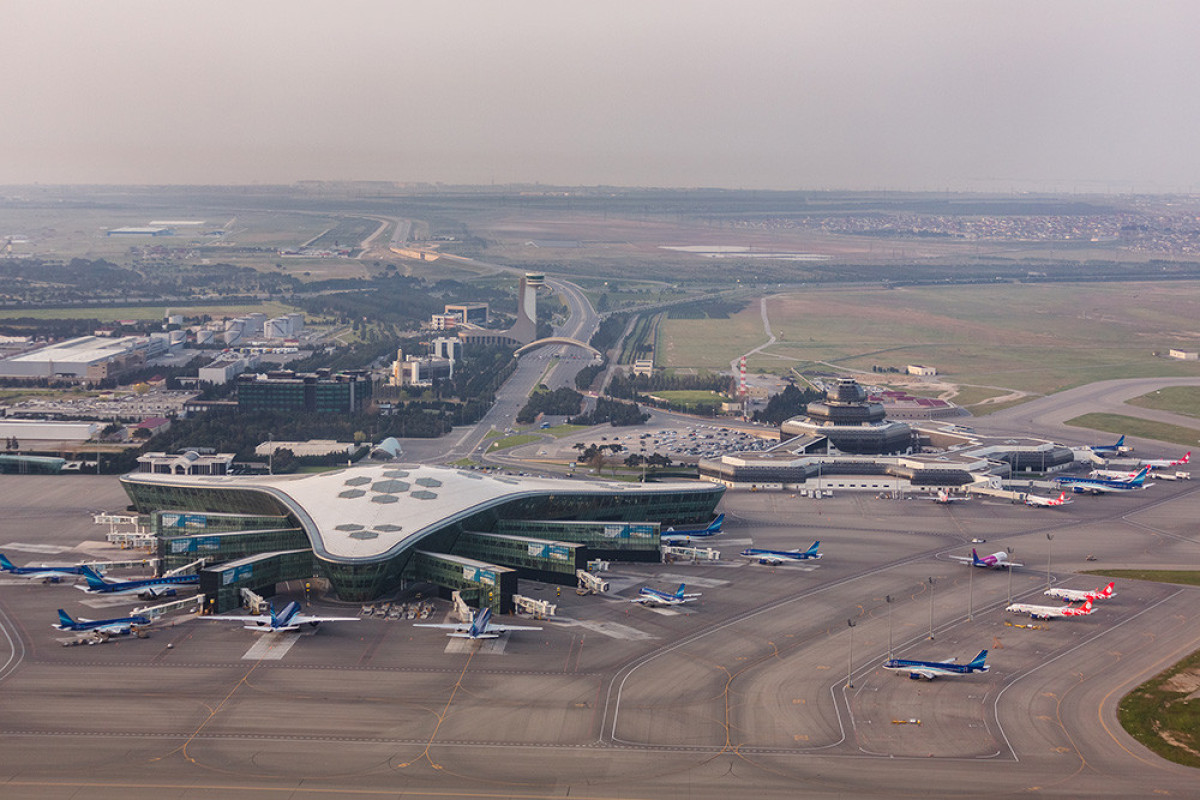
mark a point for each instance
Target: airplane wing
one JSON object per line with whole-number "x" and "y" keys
{"x": 927, "y": 674}
{"x": 304, "y": 619}
{"x": 493, "y": 628}
{"x": 964, "y": 559}
{"x": 261, "y": 619}
{"x": 446, "y": 626}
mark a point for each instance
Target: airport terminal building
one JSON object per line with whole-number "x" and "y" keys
{"x": 371, "y": 530}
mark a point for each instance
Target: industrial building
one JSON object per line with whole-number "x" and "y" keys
{"x": 371, "y": 530}
{"x": 319, "y": 392}
{"x": 87, "y": 359}
{"x": 474, "y": 313}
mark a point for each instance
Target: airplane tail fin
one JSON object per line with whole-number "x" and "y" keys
{"x": 1086, "y": 608}
{"x": 715, "y": 525}
{"x": 1141, "y": 476}
{"x": 975, "y": 557}
{"x": 92, "y": 577}
{"x": 1120, "y": 441}
{"x": 978, "y": 660}
{"x": 5, "y": 563}
{"x": 1186, "y": 458}
{"x": 65, "y": 619}
{"x": 479, "y": 625}
{"x": 812, "y": 551}
{"x": 679, "y": 591}
{"x": 1108, "y": 590}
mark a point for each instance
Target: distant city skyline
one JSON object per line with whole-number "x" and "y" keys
{"x": 915, "y": 95}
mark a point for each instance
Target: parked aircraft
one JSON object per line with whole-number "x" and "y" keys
{"x": 994, "y": 561}
{"x": 290, "y": 619}
{"x": 1051, "y": 612}
{"x": 110, "y": 627}
{"x": 671, "y": 535}
{"x": 1097, "y": 485}
{"x": 775, "y": 557}
{"x": 933, "y": 669}
{"x": 1108, "y": 449}
{"x": 44, "y": 574}
{"x": 1081, "y": 595}
{"x": 480, "y": 627}
{"x": 1061, "y": 500}
{"x": 945, "y": 498}
{"x": 653, "y": 597}
{"x": 1163, "y": 463}
{"x": 145, "y": 588}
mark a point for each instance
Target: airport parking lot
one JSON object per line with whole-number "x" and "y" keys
{"x": 742, "y": 693}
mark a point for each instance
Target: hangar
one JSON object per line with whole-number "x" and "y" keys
{"x": 371, "y": 530}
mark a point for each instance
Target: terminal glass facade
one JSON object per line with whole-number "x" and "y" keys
{"x": 537, "y": 559}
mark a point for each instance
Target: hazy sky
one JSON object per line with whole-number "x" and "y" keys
{"x": 1049, "y": 94}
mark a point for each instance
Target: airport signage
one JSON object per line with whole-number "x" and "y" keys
{"x": 204, "y": 544}
{"x": 237, "y": 574}
{"x": 173, "y": 520}
{"x": 477, "y": 575}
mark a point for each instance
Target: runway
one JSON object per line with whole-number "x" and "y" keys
{"x": 745, "y": 694}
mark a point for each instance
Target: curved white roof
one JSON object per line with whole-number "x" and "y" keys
{"x": 363, "y": 513}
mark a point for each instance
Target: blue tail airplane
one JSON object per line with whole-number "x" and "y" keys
{"x": 670, "y": 535}
{"x": 1109, "y": 449}
{"x": 44, "y": 574}
{"x": 145, "y": 588}
{"x": 110, "y": 627}
{"x": 655, "y": 597}
{"x": 776, "y": 557}
{"x": 290, "y": 619}
{"x": 1098, "y": 485}
{"x": 932, "y": 669}
{"x": 480, "y": 627}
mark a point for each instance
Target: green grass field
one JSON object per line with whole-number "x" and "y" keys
{"x": 1015, "y": 336}
{"x": 1141, "y": 428}
{"x": 691, "y": 398}
{"x": 513, "y": 441}
{"x": 1187, "y": 577}
{"x": 114, "y": 313}
{"x": 1160, "y": 714}
{"x": 1176, "y": 399}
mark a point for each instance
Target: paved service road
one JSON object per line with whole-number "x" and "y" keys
{"x": 742, "y": 694}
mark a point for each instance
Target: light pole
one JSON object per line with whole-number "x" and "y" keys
{"x": 850, "y": 660}
{"x": 930, "y": 582}
{"x": 1049, "y": 551}
{"x": 889, "y": 602}
{"x": 1010, "y": 572}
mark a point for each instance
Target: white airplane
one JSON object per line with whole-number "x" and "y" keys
{"x": 1105, "y": 485}
{"x": 1081, "y": 595}
{"x": 1163, "y": 463}
{"x": 480, "y": 627}
{"x": 933, "y": 669}
{"x": 994, "y": 561}
{"x": 43, "y": 573}
{"x": 777, "y": 557}
{"x": 1051, "y": 612}
{"x": 290, "y": 619}
{"x": 945, "y": 498}
{"x": 653, "y": 597}
{"x": 120, "y": 626}
{"x": 1051, "y": 502}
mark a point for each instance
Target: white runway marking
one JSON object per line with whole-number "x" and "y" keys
{"x": 666, "y": 612}
{"x": 613, "y": 630}
{"x": 271, "y": 646}
{"x": 484, "y": 647}
{"x": 34, "y": 548}
{"x": 690, "y": 580}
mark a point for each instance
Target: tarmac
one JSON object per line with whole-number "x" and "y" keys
{"x": 762, "y": 688}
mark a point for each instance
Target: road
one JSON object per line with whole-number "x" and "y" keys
{"x": 1048, "y": 414}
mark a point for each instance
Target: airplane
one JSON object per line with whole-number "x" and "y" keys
{"x": 1163, "y": 463}
{"x": 145, "y": 588}
{"x": 480, "y": 627}
{"x": 1119, "y": 447}
{"x": 1097, "y": 485}
{"x": 1061, "y": 500}
{"x": 1081, "y": 595}
{"x": 290, "y": 619}
{"x": 654, "y": 597}
{"x": 44, "y": 574}
{"x": 933, "y": 669}
{"x": 945, "y": 498}
{"x": 671, "y": 535}
{"x": 713, "y": 528}
{"x": 1051, "y": 612}
{"x": 994, "y": 561}
{"x": 108, "y": 627}
{"x": 776, "y": 557}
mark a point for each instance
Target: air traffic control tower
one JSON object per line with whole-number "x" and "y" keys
{"x": 524, "y": 330}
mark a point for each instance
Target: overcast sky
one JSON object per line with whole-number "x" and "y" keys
{"x": 790, "y": 94}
